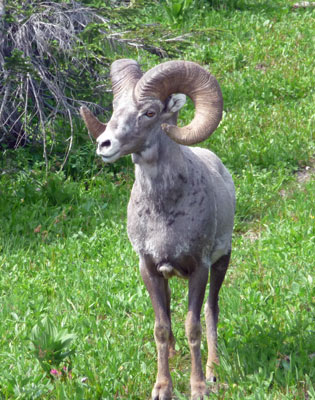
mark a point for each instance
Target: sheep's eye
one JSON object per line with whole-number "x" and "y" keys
{"x": 150, "y": 114}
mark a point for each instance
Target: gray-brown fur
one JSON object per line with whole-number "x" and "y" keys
{"x": 180, "y": 221}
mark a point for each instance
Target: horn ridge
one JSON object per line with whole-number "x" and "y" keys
{"x": 124, "y": 74}
{"x": 191, "y": 79}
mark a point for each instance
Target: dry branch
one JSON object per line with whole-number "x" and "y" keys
{"x": 40, "y": 68}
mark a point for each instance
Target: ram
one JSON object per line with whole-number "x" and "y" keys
{"x": 181, "y": 208}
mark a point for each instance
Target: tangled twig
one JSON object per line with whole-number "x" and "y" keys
{"x": 41, "y": 68}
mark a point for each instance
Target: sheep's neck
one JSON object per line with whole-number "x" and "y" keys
{"x": 161, "y": 171}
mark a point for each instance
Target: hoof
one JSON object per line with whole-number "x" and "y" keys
{"x": 162, "y": 391}
{"x": 210, "y": 370}
{"x": 199, "y": 391}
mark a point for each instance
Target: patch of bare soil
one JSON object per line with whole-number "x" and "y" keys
{"x": 304, "y": 4}
{"x": 306, "y": 173}
{"x": 303, "y": 175}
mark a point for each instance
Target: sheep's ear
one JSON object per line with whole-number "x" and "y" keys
{"x": 175, "y": 102}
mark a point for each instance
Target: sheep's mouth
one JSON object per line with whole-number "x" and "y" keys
{"x": 112, "y": 157}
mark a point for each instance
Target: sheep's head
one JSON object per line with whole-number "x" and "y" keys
{"x": 143, "y": 102}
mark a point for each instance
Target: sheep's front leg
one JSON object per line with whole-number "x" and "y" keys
{"x": 218, "y": 271}
{"x": 197, "y": 286}
{"x": 156, "y": 287}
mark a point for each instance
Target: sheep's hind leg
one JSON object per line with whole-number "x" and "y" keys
{"x": 155, "y": 285}
{"x": 197, "y": 286}
{"x": 171, "y": 346}
{"x": 218, "y": 271}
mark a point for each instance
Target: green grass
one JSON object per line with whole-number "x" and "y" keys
{"x": 64, "y": 251}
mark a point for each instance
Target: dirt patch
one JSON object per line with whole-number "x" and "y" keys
{"x": 305, "y": 174}
{"x": 252, "y": 235}
{"x": 304, "y": 4}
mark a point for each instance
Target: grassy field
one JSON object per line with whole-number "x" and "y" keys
{"x": 69, "y": 278}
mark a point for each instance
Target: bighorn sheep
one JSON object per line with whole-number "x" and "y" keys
{"x": 181, "y": 208}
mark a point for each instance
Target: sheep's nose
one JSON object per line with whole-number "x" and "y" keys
{"x": 106, "y": 143}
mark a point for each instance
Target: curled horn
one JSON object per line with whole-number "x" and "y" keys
{"x": 94, "y": 125}
{"x": 124, "y": 75}
{"x": 194, "y": 81}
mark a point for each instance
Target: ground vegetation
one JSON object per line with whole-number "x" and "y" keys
{"x": 76, "y": 320}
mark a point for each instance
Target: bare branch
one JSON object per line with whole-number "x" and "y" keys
{"x": 34, "y": 88}
{"x": 70, "y": 143}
